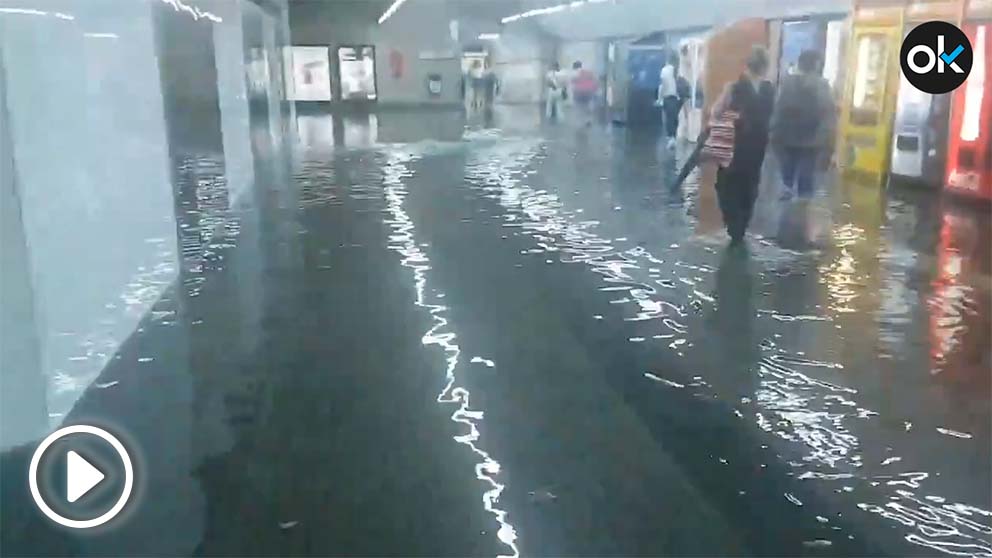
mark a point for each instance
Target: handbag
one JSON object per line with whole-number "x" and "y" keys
{"x": 719, "y": 146}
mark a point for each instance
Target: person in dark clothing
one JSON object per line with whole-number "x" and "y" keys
{"x": 803, "y": 125}
{"x": 753, "y": 98}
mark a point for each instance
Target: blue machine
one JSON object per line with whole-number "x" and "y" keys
{"x": 644, "y": 63}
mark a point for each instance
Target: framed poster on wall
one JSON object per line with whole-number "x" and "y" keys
{"x": 356, "y": 65}
{"x": 311, "y": 73}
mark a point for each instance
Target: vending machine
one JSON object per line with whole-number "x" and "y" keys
{"x": 919, "y": 139}
{"x": 969, "y": 161}
{"x": 644, "y": 63}
{"x": 869, "y": 99}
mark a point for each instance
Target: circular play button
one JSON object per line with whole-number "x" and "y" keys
{"x": 81, "y": 476}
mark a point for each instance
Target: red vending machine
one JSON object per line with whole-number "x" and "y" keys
{"x": 969, "y": 157}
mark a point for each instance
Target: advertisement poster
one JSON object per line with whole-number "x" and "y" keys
{"x": 311, "y": 74}
{"x": 357, "y": 66}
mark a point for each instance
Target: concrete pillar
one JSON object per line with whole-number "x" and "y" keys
{"x": 23, "y": 408}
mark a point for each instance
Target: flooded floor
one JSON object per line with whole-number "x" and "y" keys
{"x": 440, "y": 339}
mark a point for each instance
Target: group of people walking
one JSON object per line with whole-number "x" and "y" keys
{"x": 581, "y": 84}
{"x": 798, "y": 121}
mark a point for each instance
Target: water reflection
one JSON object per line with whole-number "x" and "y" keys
{"x": 816, "y": 397}
{"x": 957, "y": 325}
{"x": 804, "y": 398}
{"x": 440, "y": 334}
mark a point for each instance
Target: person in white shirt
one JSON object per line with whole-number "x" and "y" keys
{"x": 668, "y": 94}
{"x": 474, "y": 87}
{"x": 554, "y": 84}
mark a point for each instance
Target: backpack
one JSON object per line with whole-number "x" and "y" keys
{"x": 798, "y": 107}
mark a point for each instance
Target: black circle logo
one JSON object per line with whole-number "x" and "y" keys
{"x": 936, "y": 57}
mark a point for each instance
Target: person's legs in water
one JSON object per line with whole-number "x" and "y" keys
{"x": 748, "y": 196}
{"x": 737, "y": 192}
{"x": 806, "y": 160}
{"x": 583, "y": 106}
{"x": 477, "y": 95}
{"x": 788, "y": 161}
{"x": 670, "y": 108}
{"x": 726, "y": 194}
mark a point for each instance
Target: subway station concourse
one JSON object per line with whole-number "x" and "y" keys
{"x": 452, "y": 278}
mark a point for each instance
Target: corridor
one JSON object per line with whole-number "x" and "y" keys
{"x": 433, "y": 337}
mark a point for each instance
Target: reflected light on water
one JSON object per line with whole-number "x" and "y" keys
{"x": 822, "y": 421}
{"x": 840, "y": 275}
{"x": 402, "y": 240}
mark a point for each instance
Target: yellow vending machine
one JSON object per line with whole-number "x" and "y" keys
{"x": 870, "y": 93}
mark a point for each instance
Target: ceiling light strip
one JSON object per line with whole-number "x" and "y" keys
{"x": 390, "y": 10}
{"x": 552, "y": 9}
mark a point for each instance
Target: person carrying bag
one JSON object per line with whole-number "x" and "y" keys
{"x": 721, "y": 133}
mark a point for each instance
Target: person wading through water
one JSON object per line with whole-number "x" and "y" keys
{"x": 803, "y": 125}
{"x": 752, "y": 98}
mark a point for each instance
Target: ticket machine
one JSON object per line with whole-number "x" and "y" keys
{"x": 969, "y": 161}
{"x": 919, "y": 139}
{"x": 869, "y": 99}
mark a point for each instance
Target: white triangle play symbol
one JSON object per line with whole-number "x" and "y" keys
{"x": 80, "y": 476}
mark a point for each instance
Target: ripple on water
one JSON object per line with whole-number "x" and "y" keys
{"x": 818, "y": 418}
{"x": 441, "y": 334}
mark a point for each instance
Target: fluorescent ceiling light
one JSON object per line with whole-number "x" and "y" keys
{"x": 390, "y": 10}
{"x": 488, "y": 36}
{"x": 101, "y": 35}
{"x": 25, "y": 11}
{"x": 551, "y": 9}
{"x": 29, "y": 11}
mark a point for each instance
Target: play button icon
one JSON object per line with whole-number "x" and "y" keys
{"x": 81, "y": 476}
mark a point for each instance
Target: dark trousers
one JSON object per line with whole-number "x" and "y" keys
{"x": 798, "y": 168}
{"x": 670, "y": 105}
{"x": 737, "y": 190}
